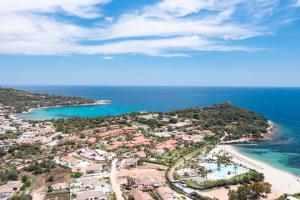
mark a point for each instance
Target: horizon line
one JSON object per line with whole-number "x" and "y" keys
{"x": 195, "y": 86}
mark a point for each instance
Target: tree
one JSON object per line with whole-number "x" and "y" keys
{"x": 9, "y": 175}
{"x": 254, "y": 191}
{"x": 173, "y": 121}
{"x": 50, "y": 189}
{"x": 130, "y": 183}
{"x": 50, "y": 178}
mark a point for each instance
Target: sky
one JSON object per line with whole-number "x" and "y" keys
{"x": 150, "y": 42}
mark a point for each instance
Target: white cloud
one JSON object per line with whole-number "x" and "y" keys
{"x": 169, "y": 28}
{"x": 80, "y": 8}
{"x": 187, "y": 7}
{"x": 141, "y": 26}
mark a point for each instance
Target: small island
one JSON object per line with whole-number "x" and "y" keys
{"x": 183, "y": 154}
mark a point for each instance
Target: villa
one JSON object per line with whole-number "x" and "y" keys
{"x": 117, "y": 132}
{"x": 207, "y": 133}
{"x": 191, "y": 138}
{"x": 140, "y": 195}
{"x": 91, "y": 183}
{"x": 139, "y": 140}
{"x": 91, "y": 195}
{"x": 9, "y": 188}
{"x": 168, "y": 145}
{"x": 114, "y": 145}
{"x": 94, "y": 168}
{"x": 128, "y": 163}
{"x": 60, "y": 186}
{"x": 146, "y": 183}
{"x": 92, "y": 140}
{"x": 95, "y": 154}
{"x": 139, "y": 154}
{"x": 68, "y": 161}
{"x": 165, "y": 193}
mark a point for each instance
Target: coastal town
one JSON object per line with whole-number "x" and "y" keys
{"x": 178, "y": 155}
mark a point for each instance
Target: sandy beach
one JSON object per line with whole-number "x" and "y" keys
{"x": 282, "y": 181}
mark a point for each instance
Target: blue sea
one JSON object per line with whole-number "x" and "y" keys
{"x": 281, "y": 105}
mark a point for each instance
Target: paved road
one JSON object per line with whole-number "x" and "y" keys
{"x": 113, "y": 179}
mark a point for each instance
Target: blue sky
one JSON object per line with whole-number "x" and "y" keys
{"x": 150, "y": 42}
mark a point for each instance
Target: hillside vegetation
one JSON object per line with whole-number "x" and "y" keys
{"x": 235, "y": 121}
{"x": 19, "y": 100}
{"x": 222, "y": 119}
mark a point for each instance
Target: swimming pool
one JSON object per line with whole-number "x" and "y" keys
{"x": 223, "y": 171}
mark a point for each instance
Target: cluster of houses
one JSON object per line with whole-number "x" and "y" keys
{"x": 144, "y": 184}
{"x": 28, "y": 133}
{"x": 86, "y": 160}
{"x": 42, "y": 132}
{"x": 94, "y": 166}
{"x": 4, "y": 110}
{"x": 6, "y": 125}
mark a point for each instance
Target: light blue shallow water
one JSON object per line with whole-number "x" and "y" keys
{"x": 78, "y": 111}
{"x": 281, "y": 105}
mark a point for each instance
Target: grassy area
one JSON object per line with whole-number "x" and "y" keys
{"x": 192, "y": 153}
{"x": 60, "y": 175}
{"x": 58, "y": 196}
{"x": 111, "y": 196}
{"x": 192, "y": 184}
{"x": 297, "y": 196}
{"x": 170, "y": 157}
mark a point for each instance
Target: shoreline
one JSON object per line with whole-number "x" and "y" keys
{"x": 282, "y": 182}
{"x": 97, "y": 103}
{"x": 267, "y": 136}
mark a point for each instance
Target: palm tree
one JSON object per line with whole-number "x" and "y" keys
{"x": 235, "y": 168}
{"x": 130, "y": 183}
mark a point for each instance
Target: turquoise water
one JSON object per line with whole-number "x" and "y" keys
{"x": 277, "y": 159}
{"x": 281, "y": 105}
{"x": 78, "y": 111}
{"x": 223, "y": 172}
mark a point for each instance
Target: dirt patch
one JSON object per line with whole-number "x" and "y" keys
{"x": 154, "y": 171}
{"x": 58, "y": 196}
{"x": 153, "y": 166}
{"x": 60, "y": 174}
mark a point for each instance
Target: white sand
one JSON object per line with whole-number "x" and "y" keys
{"x": 282, "y": 181}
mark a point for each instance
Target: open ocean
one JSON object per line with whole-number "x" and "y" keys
{"x": 281, "y": 105}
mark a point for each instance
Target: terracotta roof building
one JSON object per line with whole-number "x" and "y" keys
{"x": 140, "y": 195}
{"x": 165, "y": 193}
